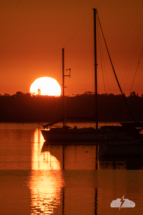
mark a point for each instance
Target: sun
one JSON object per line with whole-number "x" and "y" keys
{"x": 45, "y": 86}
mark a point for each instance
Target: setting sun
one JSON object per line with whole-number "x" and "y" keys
{"x": 45, "y": 86}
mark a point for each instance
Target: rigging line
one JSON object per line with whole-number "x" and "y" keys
{"x": 132, "y": 55}
{"x": 105, "y": 72}
{"x": 101, "y": 60}
{"x": 105, "y": 68}
{"x": 77, "y": 29}
{"x": 115, "y": 72}
{"x": 136, "y": 70}
{"x": 130, "y": 66}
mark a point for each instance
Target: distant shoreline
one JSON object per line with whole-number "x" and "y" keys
{"x": 24, "y": 108}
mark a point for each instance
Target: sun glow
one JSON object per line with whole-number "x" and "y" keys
{"x": 45, "y": 86}
{"x": 46, "y": 180}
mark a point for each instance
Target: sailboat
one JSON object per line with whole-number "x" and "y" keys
{"x": 65, "y": 133}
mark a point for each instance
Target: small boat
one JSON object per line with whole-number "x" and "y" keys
{"x": 132, "y": 145}
{"x": 82, "y": 134}
{"x": 66, "y": 133}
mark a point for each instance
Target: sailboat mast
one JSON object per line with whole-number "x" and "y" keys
{"x": 63, "y": 87}
{"x": 95, "y": 62}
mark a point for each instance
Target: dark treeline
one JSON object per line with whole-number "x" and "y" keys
{"x": 22, "y": 107}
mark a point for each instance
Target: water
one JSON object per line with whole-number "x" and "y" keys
{"x": 37, "y": 178}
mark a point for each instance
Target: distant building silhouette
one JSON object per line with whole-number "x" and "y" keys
{"x": 39, "y": 91}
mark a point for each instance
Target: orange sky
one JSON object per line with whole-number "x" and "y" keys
{"x": 34, "y": 32}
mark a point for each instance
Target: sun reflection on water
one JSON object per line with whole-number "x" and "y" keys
{"x": 46, "y": 180}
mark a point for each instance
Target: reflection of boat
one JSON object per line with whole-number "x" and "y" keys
{"x": 79, "y": 194}
{"x": 74, "y": 156}
{"x": 85, "y": 134}
{"x": 128, "y": 147}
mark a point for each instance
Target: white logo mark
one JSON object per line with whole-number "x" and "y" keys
{"x": 122, "y": 203}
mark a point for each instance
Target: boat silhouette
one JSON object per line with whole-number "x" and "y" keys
{"x": 66, "y": 133}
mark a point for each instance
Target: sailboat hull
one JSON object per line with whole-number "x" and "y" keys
{"x": 83, "y": 134}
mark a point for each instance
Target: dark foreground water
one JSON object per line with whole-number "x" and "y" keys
{"x": 38, "y": 178}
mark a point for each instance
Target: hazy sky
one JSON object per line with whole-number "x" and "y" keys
{"x": 33, "y": 33}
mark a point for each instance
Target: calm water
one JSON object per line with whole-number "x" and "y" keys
{"x": 38, "y": 178}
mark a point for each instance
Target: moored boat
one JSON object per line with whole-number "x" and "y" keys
{"x": 82, "y": 134}
{"x": 66, "y": 133}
